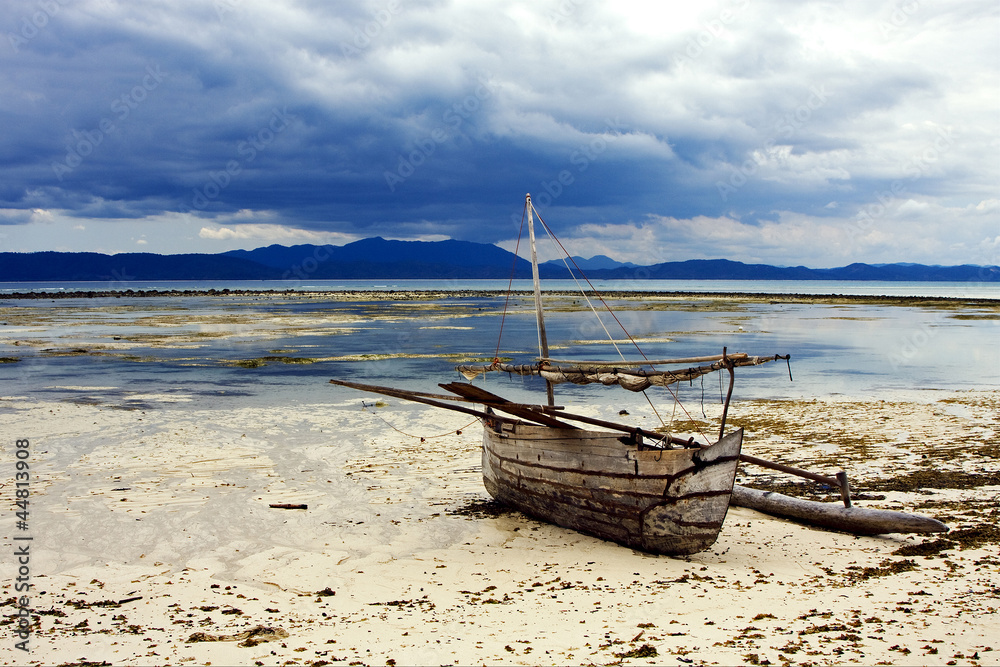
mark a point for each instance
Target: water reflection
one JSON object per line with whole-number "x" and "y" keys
{"x": 284, "y": 349}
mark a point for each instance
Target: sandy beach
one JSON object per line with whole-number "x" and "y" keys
{"x": 154, "y": 543}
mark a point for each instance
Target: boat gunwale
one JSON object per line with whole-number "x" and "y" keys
{"x": 621, "y": 475}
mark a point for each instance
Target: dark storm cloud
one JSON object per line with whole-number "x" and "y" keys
{"x": 417, "y": 118}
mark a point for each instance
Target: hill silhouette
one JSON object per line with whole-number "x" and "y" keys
{"x": 378, "y": 258}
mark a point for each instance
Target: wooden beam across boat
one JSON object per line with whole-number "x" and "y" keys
{"x": 652, "y": 435}
{"x": 539, "y": 414}
{"x": 479, "y": 395}
{"x": 840, "y": 481}
{"x": 643, "y": 362}
{"x": 533, "y": 413}
{"x": 420, "y": 397}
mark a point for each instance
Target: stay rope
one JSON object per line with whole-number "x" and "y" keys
{"x": 677, "y": 400}
{"x": 510, "y": 283}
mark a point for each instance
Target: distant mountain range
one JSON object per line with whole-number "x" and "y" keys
{"x": 593, "y": 263}
{"x": 381, "y": 259}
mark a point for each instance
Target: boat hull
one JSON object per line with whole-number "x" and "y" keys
{"x": 604, "y": 484}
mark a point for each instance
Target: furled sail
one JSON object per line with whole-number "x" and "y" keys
{"x": 623, "y": 374}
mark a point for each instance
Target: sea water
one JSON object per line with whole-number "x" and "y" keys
{"x": 964, "y": 289}
{"x": 282, "y": 349}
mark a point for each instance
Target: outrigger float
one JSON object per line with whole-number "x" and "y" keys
{"x": 637, "y": 487}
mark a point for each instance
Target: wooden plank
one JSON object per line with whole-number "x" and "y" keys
{"x": 540, "y": 438}
{"x": 568, "y": 457}
{"x": 603, "y": 507}
{"x": 418, "y": 398}
{"x": 530, "y": 444}
{"x": 499, "y": 403}
{"x": 554, "y": 463}
{"x": 555, "y": 509}
{"x": 586, "y": 485}
{"x": 669, "y": 528}
{"x": 628, "y": 490}
{"x": 781, "y": 467}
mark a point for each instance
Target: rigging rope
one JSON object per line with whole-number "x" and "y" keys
{"x": 592, "y": 309}
{"x": 583, "y": 292}
{"x": 677, "y": 400}
{"x": 510, "y": 283}
{"x": 364, "y": 408}
{"x": 600, "y": 298}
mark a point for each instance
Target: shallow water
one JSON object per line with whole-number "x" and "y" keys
{"x": 282, "y": 349}
{"x": 964, "y": 289}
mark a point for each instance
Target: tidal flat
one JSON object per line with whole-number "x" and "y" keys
{"x": 348, "y": 325}
{"x": 162, "y": 458}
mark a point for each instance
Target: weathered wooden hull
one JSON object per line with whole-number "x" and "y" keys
{"x": 662, "y": 501}
{"x": 857, "y": 520}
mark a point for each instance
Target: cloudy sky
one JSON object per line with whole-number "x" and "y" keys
{"x": 782, "y": 131}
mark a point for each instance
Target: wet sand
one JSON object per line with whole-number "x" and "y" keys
{"x": 154, "y": 542}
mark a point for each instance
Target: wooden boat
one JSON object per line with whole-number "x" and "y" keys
{"x": 607, "y": 485}
{"x": 635, "y": 487}
{"x": 640, "y": 488}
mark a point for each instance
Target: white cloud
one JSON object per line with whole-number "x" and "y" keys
{"x": 922, "y": 231}
{"x": 272, "y": 233}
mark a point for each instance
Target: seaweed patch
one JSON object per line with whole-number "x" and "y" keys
{"x": 257, "y": 362}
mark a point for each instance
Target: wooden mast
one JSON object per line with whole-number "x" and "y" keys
{"x": 543, "y": 343}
